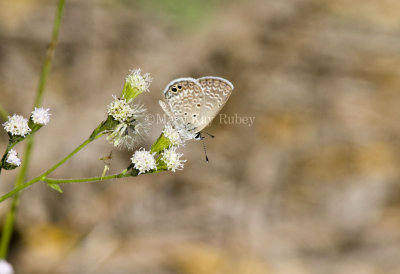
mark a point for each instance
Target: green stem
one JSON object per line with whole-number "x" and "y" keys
{"x": 49, "y": 54}
{"x": 123, "y": 174}
{"x": 10, "y": 219}
{"x": 3, "y": 114}
{"x": 84, "y": 180}
{"x": 42, "y": 176}
{"x": 19, "y": 188}
{"x": 50, "y": 170}
{"x": 8, "y": 228}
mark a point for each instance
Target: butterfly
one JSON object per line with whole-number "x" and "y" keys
{"x": 192, "y": 104}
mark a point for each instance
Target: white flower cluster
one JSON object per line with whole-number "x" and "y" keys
{"x": 17, "y": 125}
{"x": 120, "y": 110}
{"x": 143, "y": 160}
{"x": 132, "y": 126}
{"x": 41, "y": 116}
{"x": 177, "y": 137}
{"x": 5, "y": 267}
{"x": 136, "y": 80}
{"x": 172, "y": 159}
{"x": 13, "y": 159}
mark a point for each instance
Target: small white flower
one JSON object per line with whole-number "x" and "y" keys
{"x": 120, "y": 110}
{"x": 17, "y": 125}
{"x": 41, "y": 116}
{"x": 132, "y": 129}
{"x": 173, "y": 135}
{"x": 143, "y": 160}
{"x": 5, "y": 267}
{"x": 140, "y": 82}
{"x": 172, "y": 159}
{"x": 13, "y": 159}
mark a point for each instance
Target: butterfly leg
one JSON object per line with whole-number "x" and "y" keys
{"x": 201, "y": 138}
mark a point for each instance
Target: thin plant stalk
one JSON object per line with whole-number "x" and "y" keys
{"x": 10, "y": 219}
{"x": 85, "y": 180}
{"x": 3, "y": 113}
{"x": 43, "y": 177}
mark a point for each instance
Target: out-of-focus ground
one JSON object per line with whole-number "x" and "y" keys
{"x": 311, "y": 187}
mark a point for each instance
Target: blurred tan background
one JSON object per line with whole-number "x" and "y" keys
{"x": 311, "y": 187}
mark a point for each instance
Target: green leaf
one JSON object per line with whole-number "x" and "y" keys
{"x": 56, "y": 187}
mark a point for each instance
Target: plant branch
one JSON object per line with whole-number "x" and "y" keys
{"x": 84, "y": 180}
{"x": 42, "y": 176}
{"x": 10, "y": 219}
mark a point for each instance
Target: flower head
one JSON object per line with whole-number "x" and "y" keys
{"x": 172, "y": 135}
{"x": 17, "y": 125}
{"x": 5, "y": 267}
{"x": 135, "y": 83}
{"x": 41, "y": 116}
{"x": 132, "y": 125}
{"x": 141, "y": 82}
{"x": 13, "y": 159}
{"x": 120, "y": 110}
{"x": 172, "y": 159}
{"x": 143, "y": 160}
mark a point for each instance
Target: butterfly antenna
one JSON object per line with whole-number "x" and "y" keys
{"x": 204, "y": 147}
{"x": 212, "y": 136}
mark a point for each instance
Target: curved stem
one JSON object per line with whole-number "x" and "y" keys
{"x": 50, "y": 170}
{"x": 84, "y": 180}
{"x": 66, "y": 181}
{"x": 18, "y": 189}
{"x": 42, "y": 176}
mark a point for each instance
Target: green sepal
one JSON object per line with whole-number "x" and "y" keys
{"x": 106, "y": 125}
{"x": 161, "y": 165}
{"x": 34, "y": 127}
{"x": 8, "y": 166}
{"x": 161, "y": 144}
{"x": 15, "y": 139}
{"x": 3, "y": 162}
{"x": 129, "y": 93}
{"x": 56, "y": 187}
{"x": 132, "y": 170}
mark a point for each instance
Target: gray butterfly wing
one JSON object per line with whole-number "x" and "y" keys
{"x": 185, "y": 100}
{"x": 216, "y": 92}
